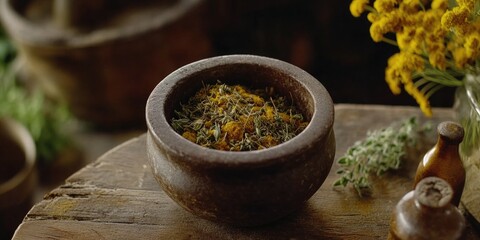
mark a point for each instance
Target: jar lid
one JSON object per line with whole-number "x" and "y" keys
{"x": 451, "y": 131}
{"x": 433, "y": 192}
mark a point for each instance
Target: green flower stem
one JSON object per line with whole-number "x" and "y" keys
{"x": 439, "y": 77}
{"x": 432, "y": 91}
{"x": 370, "y": 9}
{"x": 390, "y": 41}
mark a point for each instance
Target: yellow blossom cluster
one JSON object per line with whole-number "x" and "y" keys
{"x": 464, "y": 25}
{"x": 398, "y": 72}
{"x": 434, "y": 40}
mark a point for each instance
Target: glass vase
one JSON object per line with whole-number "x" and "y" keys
{"x": 467, "y": 108}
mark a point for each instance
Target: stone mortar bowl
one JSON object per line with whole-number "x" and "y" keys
{"x": 241, "y": 188}
{"x": 18, "y": 176}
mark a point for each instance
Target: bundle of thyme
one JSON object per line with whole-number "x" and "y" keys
{"x": 380, "y": 151}
{"x": 234, "y": 118}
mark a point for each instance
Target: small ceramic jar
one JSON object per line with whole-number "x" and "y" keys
{"x": 426, "y": 213}
{"x": 444, "y": 161}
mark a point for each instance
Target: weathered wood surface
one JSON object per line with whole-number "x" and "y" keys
{"x": 117, "y": 197}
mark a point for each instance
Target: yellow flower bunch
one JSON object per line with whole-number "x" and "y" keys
{"x": 439, "y": 42}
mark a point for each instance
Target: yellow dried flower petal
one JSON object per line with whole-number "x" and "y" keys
{"x": 285, "y": 117}
{"x": 460, "y": 57}
{"x": 239, "y": 89}
{"x": 393, "y": 80}
{"x": 438, "y": 60}
{"x": 393, "y": 73}
{"x": 247, "y": 123}
{"x": 404, "y": 38}
{"x": 411, "y": 4}
{"x": 222, "y": 145}
{"x": 456, "y": 18}
{"x": 472, "y": 46}
{"x": 268, "y": 141}
{"x": 234, "y": 130}
{"x": 357, "y": 7}
{"x": 420, "y": 34}
{"x": 384, "y": 6}
{"x": 432, "y": 18}
{"x": 409, "y": 7}
{"x": 390, "y": 22}
{"x": 468, "y": 4}
{"x": 440, "y": 4}
{"x": 399, "y": 72}
{"x": 376, "y": 32}
{"x": 191, "y": 136}
{"x": 420, "y": 98}
{"x": 258, "y": 101}
{"x": 372, "y": 17}
{"x": 412, "y": 62}
{"x": 269, "y": 113}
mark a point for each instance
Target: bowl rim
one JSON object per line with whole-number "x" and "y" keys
{"x": 20, "y": 135}
{"x": 319, "y": 128}
{"x": 28, "y": 32}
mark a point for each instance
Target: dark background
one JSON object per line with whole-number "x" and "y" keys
{"x": 319, "y": 36}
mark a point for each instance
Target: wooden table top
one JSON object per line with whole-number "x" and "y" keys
{"x": 116, "y": 197}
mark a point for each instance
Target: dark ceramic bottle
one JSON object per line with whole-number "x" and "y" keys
{"x": 427, "y": 213}
{"x": 444, "y": 161}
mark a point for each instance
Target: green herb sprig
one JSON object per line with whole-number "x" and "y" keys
{"x": 380, "y": 151}
{"x": 44, "y": 119}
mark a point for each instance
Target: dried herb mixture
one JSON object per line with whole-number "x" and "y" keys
{"x": 234, "y": 118}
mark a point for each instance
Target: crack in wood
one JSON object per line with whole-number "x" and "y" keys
{"x": 41, "y": 217}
